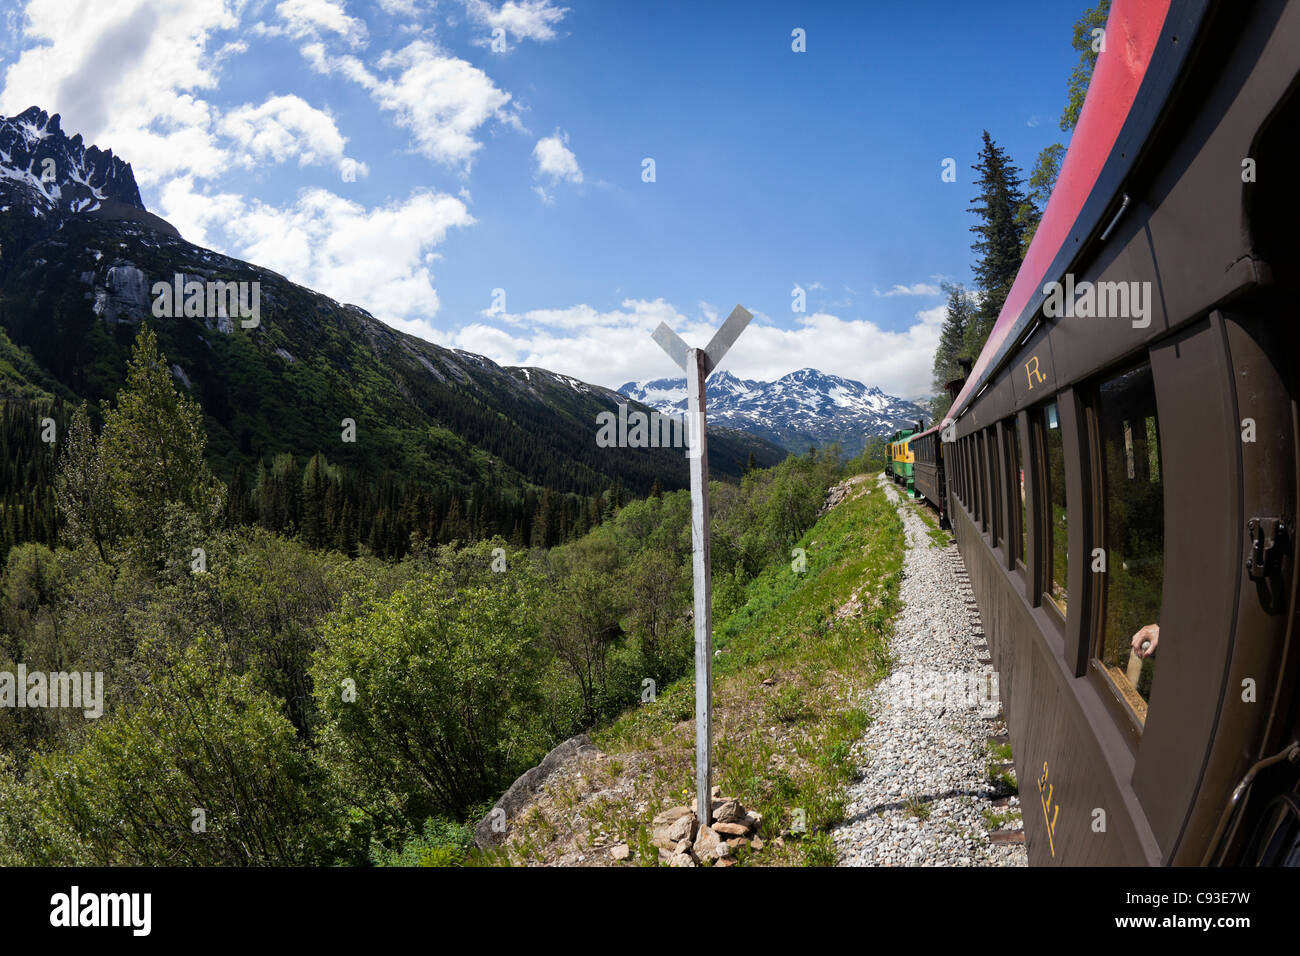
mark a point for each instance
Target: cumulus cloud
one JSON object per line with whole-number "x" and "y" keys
{"x": 612, "y": 347}
{"x": 399, "y": 8}
{"x": 555, "y": 163}
{"x": 312, "y": 18}
{"x": 920, "y": 288}
{"x": 378, "y": 258}
{"x": 441, "y": 99}
{"x": 555, "y": 160}
{"x": 521, "y": 19}
{"x": 130, "y": 74}
{"x": 288, "y": 127}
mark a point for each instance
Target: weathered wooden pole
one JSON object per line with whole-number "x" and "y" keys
{"x": 697, "y": 364}
{"x": 696, "y": 373}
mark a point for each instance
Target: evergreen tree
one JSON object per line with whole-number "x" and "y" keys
{"x": 81, "y": 489}
{"x": 314, "y": 484}
{"x": 1041, "y": 182}
{"x": 952, "y": 345}
{"x": 999, "y": 233}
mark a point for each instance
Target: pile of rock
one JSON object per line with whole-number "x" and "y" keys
{"x": 683, "y": 842}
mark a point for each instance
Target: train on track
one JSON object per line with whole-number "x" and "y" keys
{"x": 1120, "y": 467}
{"x": 899, "y": 459}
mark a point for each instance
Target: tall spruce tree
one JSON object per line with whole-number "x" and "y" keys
{"x": 998, "y": 246}
{"x": 952, "y": 345}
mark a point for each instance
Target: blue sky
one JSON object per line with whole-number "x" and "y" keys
{"x": 386, "y": 154}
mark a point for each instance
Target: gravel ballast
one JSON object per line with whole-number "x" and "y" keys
{"x": 924, "y": 782}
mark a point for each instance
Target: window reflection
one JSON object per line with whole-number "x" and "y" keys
{"x": 1058, "y": 561}
{"x": 1018, "y": 540}
{"x": 1134, "y": 508}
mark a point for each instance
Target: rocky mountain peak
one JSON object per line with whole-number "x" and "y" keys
{"x": 58, "y": 175}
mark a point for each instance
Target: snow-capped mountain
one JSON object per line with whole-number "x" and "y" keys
{"x": 58, "y": 174}
{"x": 80, "y": 256}
{"x": 803, "y": 408}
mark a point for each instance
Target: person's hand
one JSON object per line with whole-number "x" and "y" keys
{"x": 1151, "y": 636}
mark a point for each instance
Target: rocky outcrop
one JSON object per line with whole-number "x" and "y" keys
{"x": 493, "y": 829}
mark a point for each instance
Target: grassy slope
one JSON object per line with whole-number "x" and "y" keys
{"x": 780, "y": 746}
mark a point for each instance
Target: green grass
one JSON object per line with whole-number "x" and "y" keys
{"x": 938, "y": 537}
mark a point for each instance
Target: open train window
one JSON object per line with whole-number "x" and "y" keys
{"x": 1016, "y": 475}
{"x": 1057, "y": 517}
{"x": 1133, "y": 505}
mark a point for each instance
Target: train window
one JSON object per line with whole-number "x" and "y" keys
{"x": 959, "y": 473}
{"x": 1135, "y": 533}
{"x": 960, "y": 455}
{"x": 974, "y": 476}
{"x": 956, "y": 449}
{"x": 982, "y": 476}
{"x": 1058, "y": 519}
{"x": 1017, "y": 479}
{"x": 995, "y": 487}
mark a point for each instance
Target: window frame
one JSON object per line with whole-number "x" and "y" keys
{"x": 1043, "y": 519}
{"x": 997, "y": 531}
{"x": 1094, "y": 632}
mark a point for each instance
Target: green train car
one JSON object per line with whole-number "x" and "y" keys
{"x": 899, "y": 460}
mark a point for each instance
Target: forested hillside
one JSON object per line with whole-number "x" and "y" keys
{"x": 323, "y": 421}
{"x": 267, "y": 702}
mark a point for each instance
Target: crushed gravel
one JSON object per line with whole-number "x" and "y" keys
{"x": 925, "y": 785}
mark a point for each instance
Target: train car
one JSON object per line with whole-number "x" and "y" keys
{"x": 928, "y": 472}
{"x": 902, "y": 458}
{"x": 889, "y": 455}
{"x": 1125, "y": 454}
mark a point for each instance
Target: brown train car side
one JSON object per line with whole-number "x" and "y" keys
{"x": 928, "y": 473}
{"x": 1123, "y": 489}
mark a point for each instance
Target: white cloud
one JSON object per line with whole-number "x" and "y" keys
{"x": 920, "y": 288}
{"x": 379, "y": 259}
{"x": 311, "y": 18}
{"x": 288, "y": 127}
{"x": 612, "y": 347}
{"x": 440, "y": 99}
{"x": 130, "y": 74}
{"x": 522, "y": 19}
{"x": 555, "y": 163}
{"x": 376, "y": 258}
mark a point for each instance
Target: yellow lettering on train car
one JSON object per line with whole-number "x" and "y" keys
{"x": 1050, "y": 811}
{"x": 1031, "y": 372}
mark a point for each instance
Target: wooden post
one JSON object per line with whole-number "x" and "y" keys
{"x": 696, "y": 372}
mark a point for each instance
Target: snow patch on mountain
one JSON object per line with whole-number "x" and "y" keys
{"x": 806, "y": 407}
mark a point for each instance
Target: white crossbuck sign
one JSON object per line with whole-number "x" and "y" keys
{"x": 697, "y": 364}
